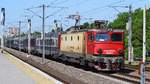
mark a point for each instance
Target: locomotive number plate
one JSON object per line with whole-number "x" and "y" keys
{"x": 109, "y": 51}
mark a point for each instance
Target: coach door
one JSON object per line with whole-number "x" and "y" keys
{"x": 90, "y": 39}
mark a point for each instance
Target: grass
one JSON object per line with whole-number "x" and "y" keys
{"x": 148, "y": 58}
{"x": 135, "y": 63}
{"x": 126, "y": 62}
{"x": 148, "y": 65}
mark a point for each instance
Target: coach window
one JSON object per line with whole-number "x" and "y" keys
{"x": 38, "y": 42}
{"x": 56, "y": 42}
{"x": 51, "y": 42}
{"x": 48, "y": 42}
{"x": 45, "y": 41}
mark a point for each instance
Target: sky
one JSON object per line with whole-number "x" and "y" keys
{"x": 89, "y": 11}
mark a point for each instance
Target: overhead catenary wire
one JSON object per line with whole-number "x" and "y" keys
{"x": 54, "y": 13}
{"x": 33, "y": 13}
{"x": 102, "y": 7}
{"x": 79, "y": 3}
{"x": 53, "y": 2}
{"x": 62, "y": 2}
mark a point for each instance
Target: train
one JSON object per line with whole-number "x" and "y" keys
{"x": 102, "y": 49}
{"x": 51, "y": 44}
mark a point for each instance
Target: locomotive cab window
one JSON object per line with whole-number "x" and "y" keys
{"x": 116, "y": 37}
{"x": 102, "y": 37}
{"x": 91, "y": 37}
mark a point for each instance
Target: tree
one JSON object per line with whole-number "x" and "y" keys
{"x": 137, "y": 29}
{"x": 36, "y": 34}
{"x": 86, "y": 25}
{"x": 120, "y": 22}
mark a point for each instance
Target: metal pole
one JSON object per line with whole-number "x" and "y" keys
{"x": 43, "y": 34}
{"x": 142, "y": 70}
{"x": 144, "y": 34}
{"x": 19, "y": 36}
{"x": 29, "y": 37}
{"x": 2, "y": 39}
{"x": 130, "y": 53}
{"x": 3, "y": 25}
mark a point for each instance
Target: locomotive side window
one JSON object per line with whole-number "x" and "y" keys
{"x": 78, "y": 38}
{"x": 102, "y": 37}
{"x": 65, "y": 38}
{"x": 71, "y": 38}
{"x": 116, "y": 37}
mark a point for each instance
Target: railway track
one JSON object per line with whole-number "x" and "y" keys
{"x": 124, "y": 76}
{"x": 136, "y": 67}
{"x": 129, "y": 78}
{"x": 117, "y": 75}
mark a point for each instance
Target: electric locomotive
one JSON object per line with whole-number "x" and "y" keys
{"x": 102, "y": 49}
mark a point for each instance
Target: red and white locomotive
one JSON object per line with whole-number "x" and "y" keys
{"x": 100, "y": 48}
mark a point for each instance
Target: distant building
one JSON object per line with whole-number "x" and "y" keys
{"x": 13, "y": 31}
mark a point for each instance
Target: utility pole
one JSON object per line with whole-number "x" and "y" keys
{"x": 142, "y": 69}
{"x": 3, "y": 25}
{"x": 43, "y": 33}
{"x": 43, "y": 17}
{"x": 29, "y": 37}
{"x": 19, "y": 36}
{"x": 130, "y": 49}
{"x": 144, "y": 34}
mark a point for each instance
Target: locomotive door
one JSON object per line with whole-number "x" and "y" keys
{"x": 90, "y": 39}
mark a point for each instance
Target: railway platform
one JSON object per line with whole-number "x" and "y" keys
{"x": 15, "y": 71}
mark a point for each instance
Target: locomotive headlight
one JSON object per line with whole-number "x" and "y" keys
{"x": 99, "y": 51}
{"x": 120, "y": 51}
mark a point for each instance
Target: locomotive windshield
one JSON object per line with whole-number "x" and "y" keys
{"x": 116, "y": 37}
{"x": 102, "y": 37}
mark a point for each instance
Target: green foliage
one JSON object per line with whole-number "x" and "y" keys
{"x": 86, "y": 25}
{"x": 93, "y": 25}
{"x": 137, "y": 29}
{"x": 36, "y": 34}
{"x": 120, "y": 22}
